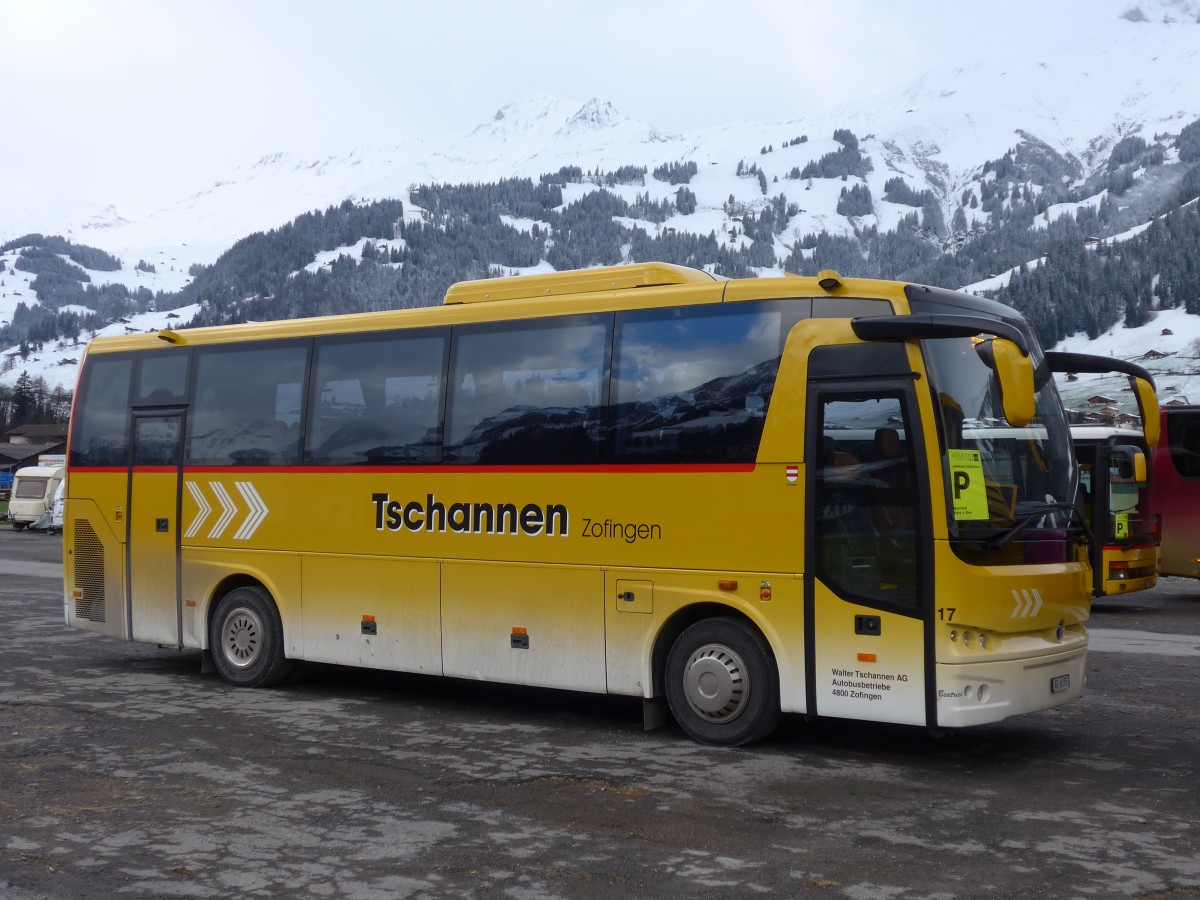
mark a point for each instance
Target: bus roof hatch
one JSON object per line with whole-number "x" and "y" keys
{"x": 584, "y": 281}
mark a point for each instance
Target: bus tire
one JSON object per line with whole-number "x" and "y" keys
{"x": 722, "y": 683}
{"x": 246, "y": 638}
{"x": 18, "y": 526}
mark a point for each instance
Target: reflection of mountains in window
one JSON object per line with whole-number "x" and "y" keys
{"x": 405, "y": 432}
{"x": 529, "y": 435}
{"x": 718, "y": 421}
{"x": 245, "y": 443}
{"x": 101, "y": 451}
{"x": 158, "y": 452}
{"x": 364, "y": 441}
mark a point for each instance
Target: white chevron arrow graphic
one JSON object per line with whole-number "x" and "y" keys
{"x": 1037, "y": 602}
{"x": 227, "y": 506}
{"x": 258, "y": 511}
{"x": 204, "y": 508}
{"x": 1027, "y": 604}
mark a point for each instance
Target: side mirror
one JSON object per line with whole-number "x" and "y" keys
{"x": 1140, "y": 380}
{"x": 1147, "y": 402}
{"x": 1014, "y": 369}
{"x": 1130, "y": 463}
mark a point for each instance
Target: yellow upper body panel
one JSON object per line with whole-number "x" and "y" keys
{"x": 608, "y": 289}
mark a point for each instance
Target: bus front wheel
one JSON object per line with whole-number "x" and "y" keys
{"x": 722, "y": 683}
{"x": 246, "y": 639}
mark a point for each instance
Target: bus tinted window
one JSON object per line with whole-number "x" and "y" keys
{"x": 866, "y": 503}
{"x": 693, "y": 384}
{"x": 1183, "y": 437}
{"x": 162, "y": 378}
{"x": 528, "y": 393}
{"x": 156, "y": 440}
{"x": 246, "y": 406}
{"x": 377, "y": 400}
{"x": 100, "y": 428}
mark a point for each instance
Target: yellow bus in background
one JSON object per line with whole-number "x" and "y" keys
{"x": 730, "y": 498}
{"x": 1117, "y": 506}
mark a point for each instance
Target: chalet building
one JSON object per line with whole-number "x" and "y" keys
{"x": 22, "y": 446}
{"x": 38, "y": 434}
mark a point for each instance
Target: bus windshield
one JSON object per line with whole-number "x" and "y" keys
{"x": 1128, "y": 519}
{"x": 1010, "y": 492}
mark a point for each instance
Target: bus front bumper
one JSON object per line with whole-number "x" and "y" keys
{"x": 977, "y": 693}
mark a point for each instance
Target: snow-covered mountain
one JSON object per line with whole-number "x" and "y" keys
{"x": 1089, "y": 76}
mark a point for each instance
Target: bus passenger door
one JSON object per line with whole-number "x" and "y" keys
{"x": 153, "y": 546}
{"x": 867, "y": 588}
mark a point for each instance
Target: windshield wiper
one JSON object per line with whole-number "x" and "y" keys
{"x": 1002, "y": 540}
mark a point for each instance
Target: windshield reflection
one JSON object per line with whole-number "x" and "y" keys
{"x": 1010, "y": 492}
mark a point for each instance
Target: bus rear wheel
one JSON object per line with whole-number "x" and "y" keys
{"x": 246, "y": 639}
{"x": 722, "y": 683}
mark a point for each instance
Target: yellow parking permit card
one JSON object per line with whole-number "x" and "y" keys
{"x": 967, "y": 488}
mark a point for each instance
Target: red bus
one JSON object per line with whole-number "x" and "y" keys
{"x": 1175, "y": 491}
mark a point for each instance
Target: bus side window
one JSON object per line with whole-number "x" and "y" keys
{"x": 528, "y": 393}
{"x": 376, "y": 400}
{"x": 248, "y": 404}
{"x": 102, "y": 413}
{"x": 693, "y": 385}
{"x": 162, "y": 378}
{"x": 1183, "y": 440}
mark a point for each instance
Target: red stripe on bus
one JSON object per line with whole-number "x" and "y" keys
{"x": 612, "y": 469}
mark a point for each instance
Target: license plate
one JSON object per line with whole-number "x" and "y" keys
{"x": 1060, "y": 683}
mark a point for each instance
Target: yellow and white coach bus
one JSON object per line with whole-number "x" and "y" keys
{"x": 729, "y": 498}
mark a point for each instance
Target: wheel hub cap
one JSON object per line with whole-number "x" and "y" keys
{"x": 242, "y": 633}
{"x": 716, "y": 683}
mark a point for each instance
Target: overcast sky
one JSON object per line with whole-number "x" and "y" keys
{"x": 125, "y": 100}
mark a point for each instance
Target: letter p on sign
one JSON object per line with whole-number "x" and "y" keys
{"x": 962, "y": 483}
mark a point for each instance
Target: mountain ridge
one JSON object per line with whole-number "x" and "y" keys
{"x": 958, "y": 116}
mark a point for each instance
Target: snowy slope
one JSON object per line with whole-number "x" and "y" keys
{"x": 57, "y": 362}
{"x": 1174, "y": 334}
{"x": 1079, "y": 84}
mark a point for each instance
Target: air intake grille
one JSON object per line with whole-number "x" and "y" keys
{"x": 89, "y": 573}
